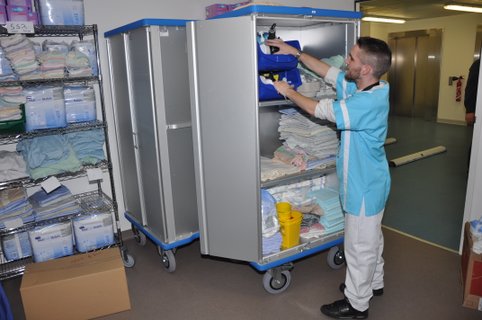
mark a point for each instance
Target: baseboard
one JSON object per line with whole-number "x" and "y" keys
{"x": 421, "y": 240}
{"x": 448, "y": 121}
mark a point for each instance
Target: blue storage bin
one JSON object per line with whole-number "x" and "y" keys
{"x": 277, "y": 62}
{"x": 268, "y": 91}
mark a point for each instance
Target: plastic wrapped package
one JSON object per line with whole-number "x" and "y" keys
{"x": 270, "y": 224}
{"x": 16, "y": 246}
{"x": 93, "y": 231}
{"x": 45, "y": 108}
{"x": 52, "y": 241}
{"x": 62, "y": 12}
{"x": 79, "y": 103}
{"x": 87, "y": 47}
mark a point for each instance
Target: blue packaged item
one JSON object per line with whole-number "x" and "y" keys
{"x": 51, "y": 241}
{"x": 277, "y": 62}
{"x": 268, "y": 91}
{"x": 93, "y": 231}
{"x": 16, "y": 246}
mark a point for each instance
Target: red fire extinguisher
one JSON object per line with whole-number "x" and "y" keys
{"x": 458, "y": 89}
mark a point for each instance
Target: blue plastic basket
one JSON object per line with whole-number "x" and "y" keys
{"x": 277, "y": 62}
{"x": 268, "y": 91}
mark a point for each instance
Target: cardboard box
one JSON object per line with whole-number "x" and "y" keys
{"x": 471, "y": 273}
{"x": 83, "y": 286}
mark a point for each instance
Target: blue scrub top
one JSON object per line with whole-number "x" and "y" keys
{"x": 362, "y": 166}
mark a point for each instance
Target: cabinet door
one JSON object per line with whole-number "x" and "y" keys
{"x": 117, "y": 46}
{"x": 145, "y": 128}
{"x": 173, "y": 122}
{"x": 224, "y": 95}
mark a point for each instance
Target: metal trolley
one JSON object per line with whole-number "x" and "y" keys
{"x": 150, "y": 93}
{"x": 230, "y": 121}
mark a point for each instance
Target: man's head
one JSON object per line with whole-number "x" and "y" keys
{"x": 369, "y": 56}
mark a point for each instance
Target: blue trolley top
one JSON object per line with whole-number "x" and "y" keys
{"x": 144, "y": 23}
{"x": 292, "y": 11}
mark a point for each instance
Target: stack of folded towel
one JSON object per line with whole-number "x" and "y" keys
{"x": 57, "y": 203}
{"x": 14, "y": 205}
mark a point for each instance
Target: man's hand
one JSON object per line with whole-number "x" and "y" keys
{"x": 470, "y": 118}
{"x": 283, "y": 47}
{"x": 282, "y": 87}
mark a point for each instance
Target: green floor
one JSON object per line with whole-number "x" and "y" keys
{"x": 428, "y": 196}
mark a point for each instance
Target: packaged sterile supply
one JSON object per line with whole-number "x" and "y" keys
{"x": 16, "y": 246}
{"x": 93, "y": 231}
{"x": 52, "y": 241}
{"x": 45, "y": 108}
{"x": 62, "y": 12}
{"x": 79, "y": 103}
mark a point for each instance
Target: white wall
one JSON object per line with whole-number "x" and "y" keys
{"x": 110, "y": 14}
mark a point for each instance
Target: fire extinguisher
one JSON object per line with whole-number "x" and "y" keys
{"x": 458, "y": 89}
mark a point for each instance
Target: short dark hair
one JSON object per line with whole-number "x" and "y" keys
{"x": 377, "y": 54}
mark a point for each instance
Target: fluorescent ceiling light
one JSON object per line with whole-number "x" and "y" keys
{"x": 463, "y": 7}
{"x": 385, "y": 20}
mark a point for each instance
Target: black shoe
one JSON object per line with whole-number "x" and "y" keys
{"x": 342, "y": 309}
{"x": 376, "y": 292}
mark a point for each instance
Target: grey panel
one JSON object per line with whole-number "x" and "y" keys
{"x": 175, "y": 74}
{"x": 123, "y": 125}
{"x": 146, "y": 130}
{"x": 182, "y": 180}
{"x": 228, "y": 131}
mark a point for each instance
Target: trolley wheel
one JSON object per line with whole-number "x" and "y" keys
{"x": 128, "y": 260}
{"x": 160, "y": 251}
{"x": 335, "y": 258}
{"x": 168, "y": 260}
{"x": 275, "y": 281}
{"x": 140, "y": 237}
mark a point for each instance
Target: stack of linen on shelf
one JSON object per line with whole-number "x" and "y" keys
{"x": 57, "y": 203}
{"x": 88, "y": 145}
{"x": 10, "y": 100}
{"x": 48, "y": 155}
{"x": 78, "y": 64}
{"x": 87, "y": 47}
{"x": 6, "y": 72}
{"x": 270, "y": 225}
{"x": 53, "y": 59}
{"x": 12, "y": 166}
{"x": 273, "y": 168}
{"x": 15, "y": 208}
{"x": 329, "y": 201}
{"x": 20, "y": 51}
{"x": 307, "y": 144}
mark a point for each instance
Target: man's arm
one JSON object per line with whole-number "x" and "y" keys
{"x": 305, "y": 103}
{"x": 319, "y": 67}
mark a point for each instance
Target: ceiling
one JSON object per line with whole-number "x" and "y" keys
{"x": 410, "y": 9}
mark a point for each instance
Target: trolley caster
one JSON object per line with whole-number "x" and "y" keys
{"x": 160, "y": 251}
{"x": 277, "y": 280}
{"x": 168, "y": 260}
{"x": 335, "y": 258}
{"x": 140, "y": 237}
{"x": 128, "y": 260}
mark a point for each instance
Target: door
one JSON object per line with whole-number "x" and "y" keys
{"x": 415, "y": 73}
{"x": 224, "y": 98}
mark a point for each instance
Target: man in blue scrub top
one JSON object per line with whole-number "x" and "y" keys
{"x": 360, "y": 112}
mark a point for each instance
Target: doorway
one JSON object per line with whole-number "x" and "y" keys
{"x": 415, "y": 73}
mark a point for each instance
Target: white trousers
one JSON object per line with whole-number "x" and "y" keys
{"x": 363, "y": 256}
